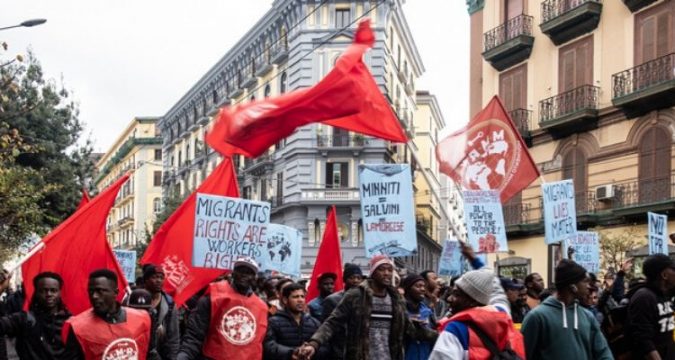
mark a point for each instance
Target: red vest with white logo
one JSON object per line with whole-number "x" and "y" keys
{"x": 101, "y": 340}
{"x": 496, "y": 324}
{"x": 238, "y": 324}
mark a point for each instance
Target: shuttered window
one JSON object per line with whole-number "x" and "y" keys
{"x": 336, "y": 175}
{"x": 654, "y": 165}
{"x": 513, "y": 88}
{"x": 575, "y": 167}
{"x": 575, "y": 65}
{"x": 512, "y": 8}
{"x": 654, "y": 32}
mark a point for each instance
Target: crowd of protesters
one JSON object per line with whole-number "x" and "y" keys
{"x": 244, "y": 316}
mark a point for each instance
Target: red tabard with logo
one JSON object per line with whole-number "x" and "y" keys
{"x": 103, "y": 341}
{"x": 238, "y": 324}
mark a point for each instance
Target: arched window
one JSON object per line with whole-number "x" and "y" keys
{"x": 214, "y": 94}
{"x": 282, "y": 83}
{"x": 283, "y": 36}
{"x": 654, "y": 165}
{"x": 317, "y": 231}
{"x": 575, "y": 167}
{"x": 268, "y": 90}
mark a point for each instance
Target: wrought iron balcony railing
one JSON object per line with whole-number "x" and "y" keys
{"x": 582, "y": 98}
{"x": 519, "y": 25}
{"x": 644, "y": 76}
{"x": 522, "y": 118}
{"x": 324, "y": 141}
{"x": 551, "y": 9}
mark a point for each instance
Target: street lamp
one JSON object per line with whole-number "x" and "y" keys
{"x": 27, "y": 23}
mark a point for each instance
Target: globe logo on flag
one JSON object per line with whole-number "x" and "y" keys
{"x": 238, "y": 326}
{"x": 121, "y": 349}
{"x": 491, "y": 156}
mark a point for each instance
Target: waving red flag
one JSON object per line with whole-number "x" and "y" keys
{"x": 78, "y": 246}
{"x": 347, "y": 97}
{"x": 488, "y": 154}
{"x": 172, "y": 244}
{"x": 329, "y": 258}
{"x": 84, "y": 200}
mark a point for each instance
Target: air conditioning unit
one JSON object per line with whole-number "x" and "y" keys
{"x": 604, "y": 192}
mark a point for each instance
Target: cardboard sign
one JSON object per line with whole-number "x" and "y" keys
{"x": 658, "y": 233}
{"x": 127, "y": 261}
{"x": 586, "y": 248}
{"x": 226, "y": 229}
{"x": 485, "y": 221}
{"x": 560, "y": 214}
{"x": 451, "y": 262}
{"x": 282, "y": 251}
{"x": 387, "y": 210}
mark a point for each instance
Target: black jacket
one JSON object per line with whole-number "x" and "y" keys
{"x": 650, "y": 323}
{"x": 38, "y": 334}
{"x": 284, "y": 335}
{"x": 167, "y": 332}
{"x": 337, "y": 342}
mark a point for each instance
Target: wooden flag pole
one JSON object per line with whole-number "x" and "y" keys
{"x": 39, "y": 246}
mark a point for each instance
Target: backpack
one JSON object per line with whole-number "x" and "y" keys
{"x": 506, "y": 354}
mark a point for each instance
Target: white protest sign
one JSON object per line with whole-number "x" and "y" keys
{"x": 227, "y": 228}
{"x": 560, "y": 215}
{"x": 658, "y": 233}
{"x": 586, "y": 248}
{"x": 127, "y": 261}
{"x": 283, "y": 250}
{"x": 485, "y": 221}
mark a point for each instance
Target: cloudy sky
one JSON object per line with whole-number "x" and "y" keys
{"x": 127, "y": 58}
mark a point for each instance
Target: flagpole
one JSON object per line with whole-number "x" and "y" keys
{"x": 25, "y": 258}
{"x": 541, "y": 177}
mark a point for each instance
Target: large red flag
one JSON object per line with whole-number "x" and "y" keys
{"x": 78, "y": 246}
{"x": 172, "y": 244}
{"x": 84, "y": 200}
{"x": 488, "y": 154}
{"x": 347, "y": 97}
{"x": 329, "y": 258}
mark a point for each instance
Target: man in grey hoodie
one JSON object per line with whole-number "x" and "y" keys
{"x": 560, "y": 328}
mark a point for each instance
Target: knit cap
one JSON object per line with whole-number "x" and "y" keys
{"x": 410, "y": 280}
{"x": 655, "y": 264}
{"x": 477, "y": 284}
{"x": 567, "y": 273}
{"x": 350, "y": 270}
{"x": 378, "y": 260}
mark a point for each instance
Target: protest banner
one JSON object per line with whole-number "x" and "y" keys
{"x": 560, "y": 215}
{"x": 586, "y": 247}
{"x": 127, "y": 261}
{"x": 658, "y": 233}
{"x": 227, "y": 228}
{"x": 282, "y": 250}
{"x": 451, "y": 262}
{"x": 485, "y": 221}
{"x": 387, "y": 210}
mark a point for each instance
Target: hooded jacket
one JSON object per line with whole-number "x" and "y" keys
{"x": 553, "y": 331}
{"x": 353, "y": 315}
{"x": 37, "y": 333}
{"x": 650, "y": 323}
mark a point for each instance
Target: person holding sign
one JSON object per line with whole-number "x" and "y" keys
{"x": 650, "y": 312}
{"x": 558, "y": 328}
{"x": 230, "y": 321}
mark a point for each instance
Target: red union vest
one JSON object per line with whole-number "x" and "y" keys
{"x": 238, "y": 324}
{"x": 103, "y": 341}
{"x": 496, "y": 324}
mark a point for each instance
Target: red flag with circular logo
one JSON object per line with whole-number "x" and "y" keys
{"x": 488, "y": 154}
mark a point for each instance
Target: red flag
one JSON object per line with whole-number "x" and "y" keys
{"x": 78, "y": 246}
{"x": 329, "y": 258}
{"x": 347, "y": 97}
{"x": 85, "y": 199}
{"x": 172, "y": 244}
{"x": 488, "y": 154}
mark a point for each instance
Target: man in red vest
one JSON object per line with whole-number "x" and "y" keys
{"x": 107, "y": 330}
{"x": 230, "y": 321}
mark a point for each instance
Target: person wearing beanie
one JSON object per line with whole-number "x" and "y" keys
{"x": 352, "y": 276}
{"x": 473, "y": 318}
{"x": 559, "y": 328}
{"x": 373, "y": 317}
{"x": 414, "y": 287}
{"x": 164, "y": 315}
{"x": 650, "y": 321}
{"x": 326, "y": 284}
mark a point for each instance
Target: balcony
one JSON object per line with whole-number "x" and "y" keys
{"x": 522, "y": 118}
{"x": 509, "y": 43}
{"x": 340, "y": 141}
{"x": 234, "y": 84}
{"x": 572, "y": 111}
{"x": 330, "y": 196}
{"x": 260, "y": 165}
{"x": 263, "y": 65}
{"x": 635, "y": 5}
{"x": 646, "y": 87}
{"x": 632, "y": 199}
{"x": 125, "y": 221}
{"x": 247, "y": 76}
{"x": 564, "y": 20}
{"x": 279, "y": 51}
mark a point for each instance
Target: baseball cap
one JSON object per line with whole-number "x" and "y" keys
{"x": 140, "y": 299}
{"x": 247, "y": 262}
{"x": 509, "y": 284}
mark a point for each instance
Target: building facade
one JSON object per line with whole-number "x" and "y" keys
{"x": 591, "y": 86}
{"x": 137, "y": 149}
{"x": 293, "y": 46}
